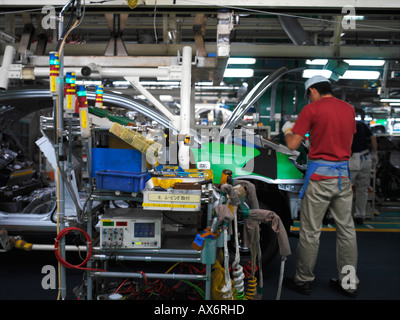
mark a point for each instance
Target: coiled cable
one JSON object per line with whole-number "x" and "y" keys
{"x": 251, "y": 288}
{"x": 251, "y": 281}
{"x": 227, "y": 288}
{"x": 63, "y": 233}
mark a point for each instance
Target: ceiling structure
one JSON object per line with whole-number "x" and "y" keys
{"x": 286, "y": 34}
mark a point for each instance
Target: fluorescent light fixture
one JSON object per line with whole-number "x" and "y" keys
{"x": 394, "y": 104}
{"x": 166, "y": 98}
{"x": 367, "y": 63}
{"x": 241, "y": 61}
{"x": 317, "y": 62}
{"x": 354, "y": 17}
{"x": 349, "y": 74}
{"x": 390, "y": 100}
{"x": 238, "y": 73}
{"x": 308, "y": 73}
{"x": 361, "y": 75}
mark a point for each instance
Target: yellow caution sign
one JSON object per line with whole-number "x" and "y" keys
{"x": 170, "y": 205}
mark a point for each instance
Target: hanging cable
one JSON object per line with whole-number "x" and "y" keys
{"x": 282, "y": 270}
{"x": 227, "y": 288}
{"x": 238, "y": 275}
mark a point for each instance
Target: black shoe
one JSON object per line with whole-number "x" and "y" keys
{"x": 335, "y": 285}
{"x": 304, "y": 288}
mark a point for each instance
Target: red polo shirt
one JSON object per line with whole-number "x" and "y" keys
{"x": 331, "y": 125}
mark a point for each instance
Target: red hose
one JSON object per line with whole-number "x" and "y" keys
{"x": 88, "y": 255}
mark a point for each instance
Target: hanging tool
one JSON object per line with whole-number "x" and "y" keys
{"x": 277, "y": 226}
{"x": 236, "y": 195}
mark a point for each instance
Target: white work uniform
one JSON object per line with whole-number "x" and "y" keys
{"x": 360, "y": 167}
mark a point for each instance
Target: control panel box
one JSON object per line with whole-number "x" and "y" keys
{"x": 130, "y": 228}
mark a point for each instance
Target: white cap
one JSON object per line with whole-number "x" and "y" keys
{"x": 313, "y": 80}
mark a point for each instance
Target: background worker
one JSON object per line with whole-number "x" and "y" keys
{"x": 331, "y": 125}
{"x": 361, "y": 162}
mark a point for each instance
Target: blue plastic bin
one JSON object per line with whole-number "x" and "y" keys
{"x": 125, "y": 181}
{"x": 116, "y": 160}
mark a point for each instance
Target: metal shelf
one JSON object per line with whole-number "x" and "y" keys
{"x": 176, "y": 254}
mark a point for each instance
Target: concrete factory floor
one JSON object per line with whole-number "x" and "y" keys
{"x": 378, "y": 270}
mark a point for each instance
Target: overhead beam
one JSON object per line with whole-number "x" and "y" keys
{"x": 240, "y": 50}
{"x": 366, "y": 4}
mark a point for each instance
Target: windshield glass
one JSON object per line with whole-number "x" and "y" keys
{"x": 252, "y": 98}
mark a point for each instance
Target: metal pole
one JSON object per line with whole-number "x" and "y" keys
{"x": 60, "y": 129}
{"x": 151, "y": 251}
{"x": 147, "y": 258}
{"x": 149, "y": 275}
{"x": 185, "y": 115}
{"x": 89, "y": 215}
{"x": 89, "y": 264}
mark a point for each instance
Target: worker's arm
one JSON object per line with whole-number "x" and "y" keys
{"x": 374, "y": 147}
{"x": 293, "y": 140}
{"x": 374, "y": 144}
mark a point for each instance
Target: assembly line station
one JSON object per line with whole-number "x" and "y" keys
{"x": 143, "y": 156}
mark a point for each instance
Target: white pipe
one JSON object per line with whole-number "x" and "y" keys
{"x": 110, "y": 72}
{"x": 135, "y": 82}
{"x": 50, "y": 247}
{"x": 8, "y": 58}
{"x": 185, "y": 116}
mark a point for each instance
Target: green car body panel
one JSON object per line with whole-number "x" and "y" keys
{"x": 246, "y": 161}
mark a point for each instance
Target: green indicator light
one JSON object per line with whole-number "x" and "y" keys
{"x": 108, "y": 223}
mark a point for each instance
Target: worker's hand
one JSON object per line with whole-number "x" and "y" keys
{"x": 287, "y": 127}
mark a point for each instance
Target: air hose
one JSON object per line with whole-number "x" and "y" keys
{"x": 227, "y": 288}
{"x": 238, "y": 274}
{"x": 63, "y": 233}
{"x": 251, "y": 281}
{"x": 251, "y": 288}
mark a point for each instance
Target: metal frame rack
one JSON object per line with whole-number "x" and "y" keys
{"x": 206, "y": 256}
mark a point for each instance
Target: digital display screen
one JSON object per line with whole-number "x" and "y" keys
{"x": 144, "y": 230}
{"x": 108, "y": 223}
